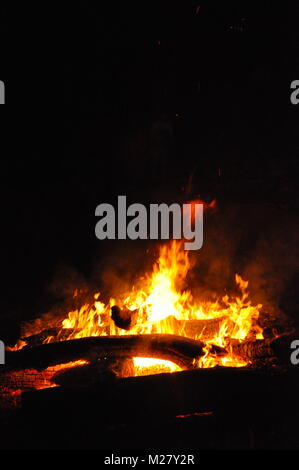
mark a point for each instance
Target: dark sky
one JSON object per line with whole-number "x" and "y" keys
{"x": 86, "y": 83}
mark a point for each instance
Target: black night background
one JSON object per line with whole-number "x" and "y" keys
{"x": 159, "y": 101}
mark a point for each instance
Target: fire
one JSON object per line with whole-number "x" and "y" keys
{"x": 146, "y": 366}
{"x": 163, "y": 304}
{"x": 161, "y": 296}
{"x": 207, "y": 206}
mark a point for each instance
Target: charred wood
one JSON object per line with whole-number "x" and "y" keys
{"x": 181, "y": 351}
{"x": 49, "y": 335}
{"x": 203, "y": 329}
{"x": 98, "y": 372}
{"x": 237, "y": 391}
{"x": 124, "y": 318}
{"x": 277, "y": 349}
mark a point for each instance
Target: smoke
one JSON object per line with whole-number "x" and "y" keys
{"x": 122, "y": 265}
{"x": 274, "y": 264}
{"x": 258, "y": 241}
{"x": 66, "y": 281}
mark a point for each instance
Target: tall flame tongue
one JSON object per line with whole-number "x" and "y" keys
{"x": 162, "y": 305}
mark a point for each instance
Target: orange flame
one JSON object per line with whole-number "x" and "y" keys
{"x": 164, "y": 305}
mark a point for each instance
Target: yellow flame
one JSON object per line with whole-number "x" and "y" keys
{"x": 164, "y": 305}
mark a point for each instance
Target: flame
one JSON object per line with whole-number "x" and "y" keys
{"x": 207, "y": 206}
{"x": 164, "y": 305}
{"x": 19, "y": 345}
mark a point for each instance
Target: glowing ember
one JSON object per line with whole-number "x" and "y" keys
{"x": 146, "y": 366}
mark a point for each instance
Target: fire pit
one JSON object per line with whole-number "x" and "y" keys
{"x": 156, "y": 327}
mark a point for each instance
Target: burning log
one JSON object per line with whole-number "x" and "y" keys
{"x": 233, "y": 391}
{"x": 181, "y": 351}
{"x": 251, "y": 350}
{"x": 205, "y": 329}
{"x": 277, "y": 350}
{"x": 98, "y": 372}
{"x": 124, "y": 318}
{"x": 42, "y": 337}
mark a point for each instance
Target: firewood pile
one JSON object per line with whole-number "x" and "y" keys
{"x": 88, "y": 362}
